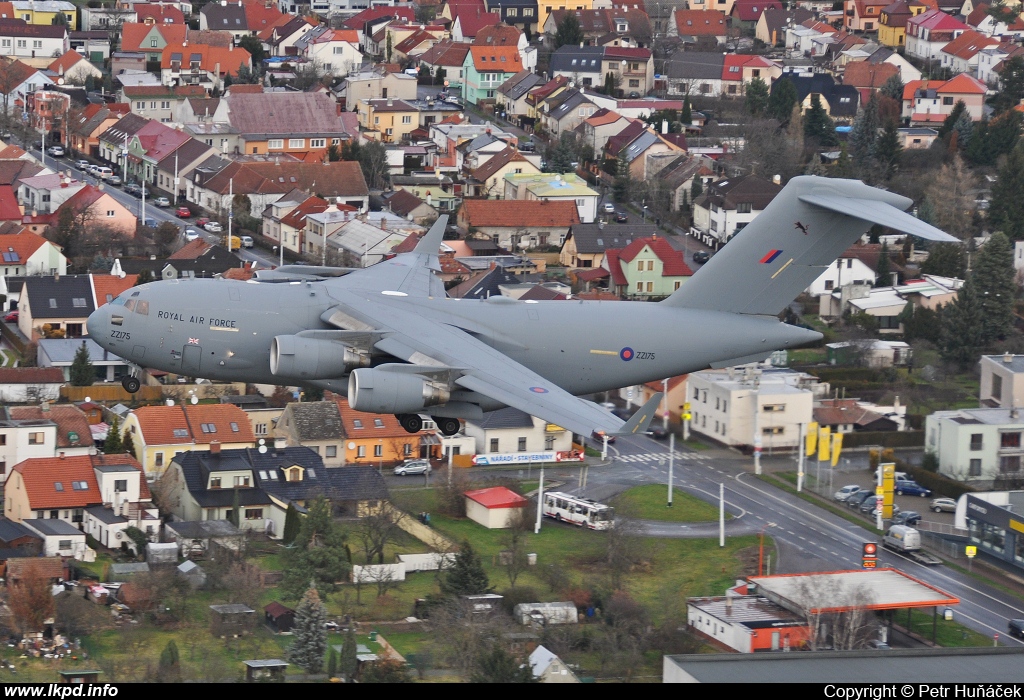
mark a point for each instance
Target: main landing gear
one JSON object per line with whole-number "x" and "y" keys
{"x": 412, "y": 423}
{"x": 131, "y": 382}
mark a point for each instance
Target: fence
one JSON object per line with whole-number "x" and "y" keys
{"x": 110, "y": 393}
{"x": 376, "y": 573}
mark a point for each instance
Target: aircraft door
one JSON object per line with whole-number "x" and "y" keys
{"x": 190, "y": 358}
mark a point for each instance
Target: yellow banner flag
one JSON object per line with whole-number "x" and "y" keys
{"x": 823, "y": 443}
{"x": 837, "y": 447}
{"x": 812, "y": 439}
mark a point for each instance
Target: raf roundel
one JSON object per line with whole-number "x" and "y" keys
{"x": 626, "y": 354}
{"x": 538, "y": 390}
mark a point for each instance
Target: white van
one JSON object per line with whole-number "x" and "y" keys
{"x": 247, "y": 241}
{"x": 103, "y": 172}
{"x": 902, "y": 538}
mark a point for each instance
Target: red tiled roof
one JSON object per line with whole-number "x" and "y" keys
{"x": 159, "y": 423}
{"x": 111, "y": 285}
{"x": 446, "y": 53}
{"x": 31, "y": 375}
{"x": 963, "y": 84}
{"x": 528, "y": 213}
{"x": 499, "y": 34}
{"x": 911, "y": 88}
{"x": 63, "y": 64}
{"x": 228, "y": 60}
{"x": 864, "y": 74}
{"x": 260, "y": 15}
{"x": 843, "y": 411}
{"x": 41, "y": 474}
{"x": 44, "y": 567}
{"x": 389, "y": 425}
{"x": 503, "y": 59}
{"x": 224, "y": 417}
{"x": 700, "y": 23}
{"x": 496, "y": 497}
{"x": 296, "y": 218}
{"x": 69, "y": 419}
{"x": 673, "y": 262}
{"x": 751, "y": 10}
{"x": 134, "y": 34}
{"x": 24, "y": 244}
{"x": 471, "y": 22}
{"x": 968, "y": 44}
{"x": 239, "y": 273}
{"x": 159, "y": 13}
{"x": 360, "y": 20}
{"x": 191, "y": 250}
{"x": 937, "y": 20}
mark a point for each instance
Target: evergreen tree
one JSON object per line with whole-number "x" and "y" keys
{"x": 782, "y": 99}
{"x": 864, "y": 136}
{"x": 82, "y": 372}
{"x": 348, "y": 663}
{"x": 962, "y": 338}
{"x": 310, "y": 638}
{"x": 964, "y": 128}
{"x": 609, "y": 83}
{"x": 388, "y": 49}
{"x": 947, "y": 125}
{"x": 893, "y": 88}
{"x": 696, "y": 188}
{"x": 889, "y": 150}
{"x": 1006, "y": 209}
{"x": 569, "y": 31}
{"x": 170, "y": 664}
{"x": 332, "y": 663}
{"x": 320, "y": 555}
{"x": 994, "y": 138}
{"x": 1011, "y": 80}
{"x": 818, "y": 126}
{"x": 129, "y": 444}
{"x": 882, "y": 276}
{"x": 945, "y": 260}
{"x": 623, "y": 182}
{"x": 292, "y": 523}
{"x": 466, "y": 575}
{"x": 113, "y": 444}
{"x": 254, "y": 46}
{"x": 687, "y": 115}
{"x": 233, "y": 513}
{"x": 498, "y": 666}
{"x": 439, "y": 75}
{"x": 995, "y": 280}
{"x": 757, "y": 97}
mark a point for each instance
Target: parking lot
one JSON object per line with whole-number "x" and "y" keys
{"x": 930, "y": 520}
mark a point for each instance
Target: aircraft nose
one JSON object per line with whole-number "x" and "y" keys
{"x": 97, "y": 324}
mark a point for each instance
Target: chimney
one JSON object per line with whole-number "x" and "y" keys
{"x": 44, "y": 407}
{"x": 664, "y": 126}
{"x": 215, "y": 448}
{"x": 56, "y": 278}
{"x": 1008, "y": 357}
{"x": 61, "y": 455}
{"x": 728, "y": 605}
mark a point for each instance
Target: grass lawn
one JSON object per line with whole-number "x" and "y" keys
{"x": 947, "y": 633}
{"x": 648, "y": 502}
{"x": 807, "y": 356}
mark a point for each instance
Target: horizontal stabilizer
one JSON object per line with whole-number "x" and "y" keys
{"x": 879, "y": 213}
{"x": 431, "y": 241}
{"x": 640, "y": 421}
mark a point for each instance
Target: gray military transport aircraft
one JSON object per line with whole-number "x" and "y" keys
{"x": 390, "y": 339}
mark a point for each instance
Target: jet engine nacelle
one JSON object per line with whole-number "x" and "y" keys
{"x": 296, "y": 357}
{"x": 384, "y": 391}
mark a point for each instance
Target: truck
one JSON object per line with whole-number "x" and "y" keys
{"x": 906, "y": 540}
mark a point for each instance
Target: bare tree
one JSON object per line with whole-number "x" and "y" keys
{"x": 625, "y": 547}
{"x": 951, "y": 196}
{"x": 243, "y": 583}
{"x": 837, "y": 615}
{"x": 376, "y": 531}
{"x": 514, "y": 557}
{"x": 30, "y": 599}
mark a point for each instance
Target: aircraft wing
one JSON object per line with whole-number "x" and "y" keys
{"x": 482, "y": 369}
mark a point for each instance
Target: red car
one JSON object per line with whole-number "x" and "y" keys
{"x": 202, "y": 221}
{"x": 183, "y": 212}
{"x": 11, "y": 317}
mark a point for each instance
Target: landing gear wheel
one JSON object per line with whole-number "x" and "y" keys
{"x": 448, "y": 426}
{"x": 131, "y": 384}
{"x": 411, "y": 422}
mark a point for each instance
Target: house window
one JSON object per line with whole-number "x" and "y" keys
{"x": 54, "y": 514}
{"x": 639, "y": 265}
{"x": 522, "y": 444}
{"x": 296, "y": 143}
{"x": 947, "y": 100}
{"x": 650, "y": 287}
{"x": 775, "y": 430}
{"x": 1009, "y": 463}
{"x": 158, "y": 459}
{"x": 774, "y": 407}
{"x": 976, "y": 442}
{"x": 215, "y": 482}
{"x": 378, "y": 450}
{"x": 242, "y": 481}
{"x": 152, "y": 43}
{"x": 407, "y": 449}
{"x": 111, "y": 213}
{"x": 549, "y": 443}
{"x": 64, "y": 544}
{"x": 511, "y": 12}
{"x": 331, "y": 451}
{"x": 77, "y": 515}
{"x": 494, "y": 444}
{"x": 829, "y": 284}
{"x": 36, "y": 438}
{"x": 639, "y": 287}
{"x": 1008, "y": 440}
{"x": 743, "y": 208}
{"x": 275, "y": 144}
{"x": 975, "y": 468}
{"x": 677, "y": 284}
{"x": 254, "y": 514}
{"x": 634, "y": 83}
{"x": 650, "y": 265}
{"x": 317, "y": 143}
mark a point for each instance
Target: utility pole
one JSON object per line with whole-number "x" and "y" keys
{"x": 800, "y": 460}
{"x": 664, "y": 417}
{"x": 231, "y": 207}
{"x": 124, "y": 161}
{"x": 671, "y": 462}
{"x": 540, "y": 500}
{"x": 757, "y": 436}
{"x": 175, "y": 178}
{"x": 721, "y": 515}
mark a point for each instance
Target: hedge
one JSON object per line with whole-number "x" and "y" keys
{"x": 888, "y": 438}
{"x": 940, "y": 485}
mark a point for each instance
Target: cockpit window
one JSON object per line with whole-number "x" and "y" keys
{"x": 142, "y": 308}
{"x": 130, "y": 305}
{"x": 117, "y": 301}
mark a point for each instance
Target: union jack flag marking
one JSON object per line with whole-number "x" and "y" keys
{"x": 193, "y": 341}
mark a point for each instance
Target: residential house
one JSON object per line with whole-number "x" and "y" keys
{"x": 547, "y": 667}
{"x": 929, "y": 32}
{"x": 518, "y": 13}
{"x": 196, "y": 259}
{"x": 509, "y": 222}
{"x": 74, "y": 68}
{"x": 984, "y": 22}
{"x": 1002, "y": 381}
{"x": 378, "y": 84}
{"x": 17, "y": 537}
{"x": 992, "y": 60}
{"x": 205, "y": 486}
{"x": 151, "y": 39}
{"x": 978, "y": 446}
{"x": 159, "y": 102}
{"x": 917, "y": 137}
{"x": 868, "y": 77}
{"x": 46, "y": 430}
{"x": 487, "y": 68}
{"x": 33, "y": 43}
{"x": 850, "y": 416}
{"x": 44, "y": 193}
{"x": 60, "y": 353}
{"x": 513, "y": 92}
{"x": 417, "y": 43}
{"x": 600, "y": 126}
{"x": 635, "y": 147}
{"x": 374, "y": 440}
{"x": 839, "y": 101}
{"x": 739, "y": 70}
{"x": 723, "y": 404}
{"x": 554, "y": 187}
{"x": 728, "y": 205}
{"x": 175, "y": 167}
{"x": 45, "y": 12}
{"x": 361, "y": 243}
{"x": 438, "y": 189}
{"x": 962, "y": 54}
{"x": 62, "y": 302}
{"x": 227, "y": 17}
{"x": 466, "y": 25}
{"x": 30, "y": 385}
{"x": 100, "y": 495}
{"x": 892, "y": 24}
{"x": 648, "y": 267}
{"x": 90, "y": 122}
{"x": 322, "y": 225}
{"x": 266, "y": 183}
{"x": 488, "y": 180}
{"x": 930, "y": 101}
{"x": 360, "y": 21}
{"x": 677, "y": 176}
{"x": 695, "y": 73}
{"x": 160, "y": 432}
{"x": 887, "y": 304}
{"x": 111, "y": 142}
{"x": 863, "y": 15}
{"x": 509, "y": 431}
{"x": 25, "y": 79}
{"x": 502, "y": 34}
{"x": 96, "y": 207}
{"x": 747, "y": 13}
{"x": 317, "y": 426}
{"x": 201, "y": 64}
{"x": 60, "y": 539}
{"x": 409, "y": 206}
{"x": 700, "y": 24}
{"x": 336, "y": 49}
{"x": 446, "y": 61}
{"x": 388, "y": 121}
{"x": 95, "y": 46}
{"x": 285, "y": 220}
{"x": 848, "y": 269}
{"x": 158, "y": 13}
{"x": 27, "y": 254}
{"x": 586, "y": 245}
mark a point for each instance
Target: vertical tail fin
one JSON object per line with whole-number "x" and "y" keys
{"x": 779, "y": 254}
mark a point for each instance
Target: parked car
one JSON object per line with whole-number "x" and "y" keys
{"x": 1016, "y": 628}
{"x": 412, "y": 466}
{"x": 872, "y": 502}
{"x": 190, "y": 234}
{"x": 845, "y": 492}
{"x": 213, "y": 227}
{"x": 857, "y": 498}
{"x": 103, "y": 172}
{"x": 114, "y": 180}
{"x": 701, "y": 256}
{"x": 608, "y": 208}
{"x": 910, "y": 488}
{"x": 133, "y": 189}
{"x": 55, "y": 151}
{"x": 527, "y": 147}
{"x": 907, "y": 517}
{"x": 11, "y": 317}
{"x": 246, "y": 241}
{"x": 657, "y": 432}
{"x": 162, "y": 202}
{"x": 202, "y": 221}
{"x": 940, "y": 505}
{"x": 183, "y": 212}
{"x": 82, "y": 164}
{"x": 634, "y": 95}
{"x": 621, "y": 217}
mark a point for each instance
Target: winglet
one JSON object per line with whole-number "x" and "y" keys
{"x": 641, "y": 420}
{"x": 431, "y": 241}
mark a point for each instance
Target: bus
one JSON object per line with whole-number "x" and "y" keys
{"x": 579, "y": 511}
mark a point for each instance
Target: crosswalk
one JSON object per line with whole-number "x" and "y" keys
{"x": 659, "y": 456}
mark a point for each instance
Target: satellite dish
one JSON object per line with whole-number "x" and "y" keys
{"x": 88, "y": 399}
{"x": 262, "y": 441}
{"x": 194, "y": 399}
{"x": 263, "y": 449}
{"x": 170, "y": 402}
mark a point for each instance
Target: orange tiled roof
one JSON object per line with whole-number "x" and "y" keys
{"x": 72, "y": 424}
{"x": 368, "y": 425}
{"x": 134, "y": 34}
{"x": 527, "y": 213}
{"x": 63, "y": 64}
{"x": 229, "y": 423}
{"x": 163, "y": 425}
{"x": 110, "y": 286}
{"x": 24, "y": 244}
{"x": 505, "y": 59}
{"x": 40, "y": 476}
{"x": 228, "y": 60}
{"x": 700, "y": 23}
